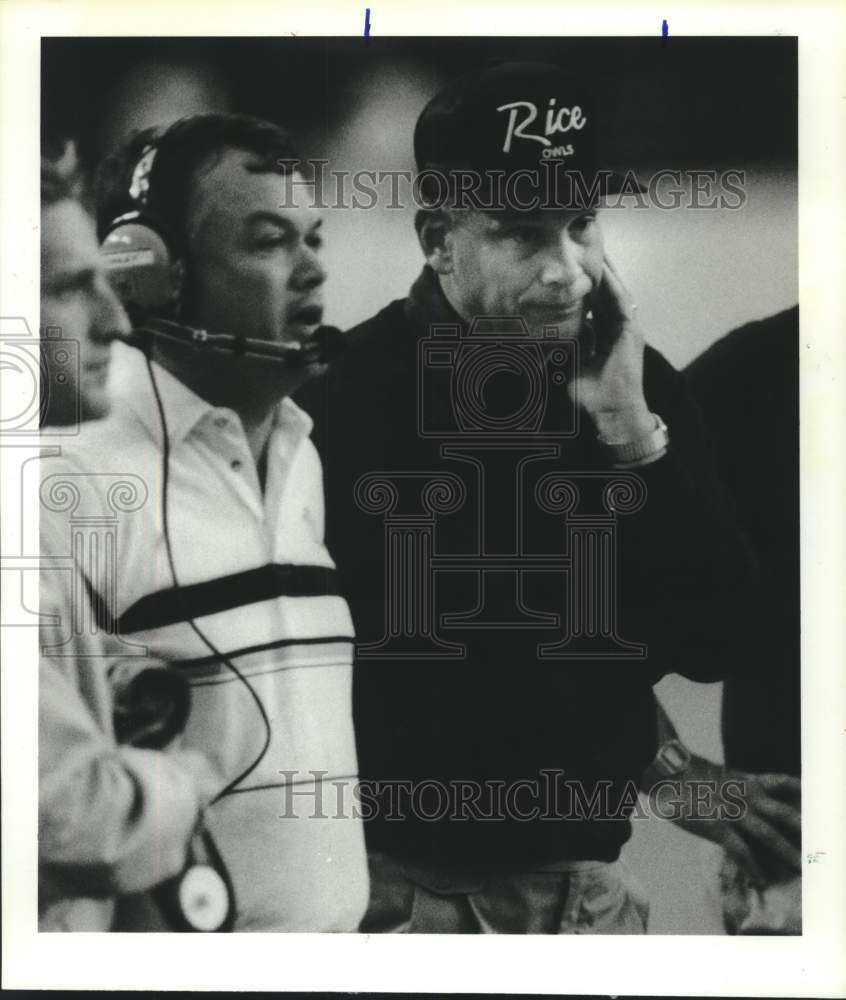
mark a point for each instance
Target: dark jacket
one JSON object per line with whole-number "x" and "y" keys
{"x": 500, "y": 712}
{"x": 748, "y": 387}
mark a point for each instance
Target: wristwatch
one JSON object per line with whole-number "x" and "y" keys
{"x": 650, "y": 445}
{"x": 671, "y": 760}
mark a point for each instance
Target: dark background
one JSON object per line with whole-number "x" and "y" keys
{"x": 676, "y": 102}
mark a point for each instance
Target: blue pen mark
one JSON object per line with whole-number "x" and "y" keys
{"x": 665, "y": 32}
{"x": 367, "y": 22}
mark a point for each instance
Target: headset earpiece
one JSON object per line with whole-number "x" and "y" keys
{"x": 141, "y": 266}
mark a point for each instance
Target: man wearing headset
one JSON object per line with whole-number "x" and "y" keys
{"x": 112, "y": 819}
{"x": 224, "y": 573}
{"x": 503, "y": 715}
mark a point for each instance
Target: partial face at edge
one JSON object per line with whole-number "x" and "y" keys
{"x": 78, "y": 301}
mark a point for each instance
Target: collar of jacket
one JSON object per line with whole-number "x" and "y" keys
{"x": 426, "y": 304}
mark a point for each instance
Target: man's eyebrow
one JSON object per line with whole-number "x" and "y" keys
{"x": 280, "y": 221}
{"x": 540, "y": 221}
{"x": 264, "y": 215}
{"x": 510, "y": 222}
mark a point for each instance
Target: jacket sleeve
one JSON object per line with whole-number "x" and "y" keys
{"x": 688, "y": 578}
{"x": 112, "y": 819}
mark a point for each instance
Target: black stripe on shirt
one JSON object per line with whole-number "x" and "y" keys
{"x": 311, "y": 640}
{"x": 179, "y": 604}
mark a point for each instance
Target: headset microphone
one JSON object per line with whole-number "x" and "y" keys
{"x": 324, "y": 346}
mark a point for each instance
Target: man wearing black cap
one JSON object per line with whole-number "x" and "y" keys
{"x": 552, "y": 537}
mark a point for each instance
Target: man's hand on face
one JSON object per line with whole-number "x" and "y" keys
{"x": 609, "y": 383}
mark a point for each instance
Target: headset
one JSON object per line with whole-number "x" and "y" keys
{"x": 147, "y": 273}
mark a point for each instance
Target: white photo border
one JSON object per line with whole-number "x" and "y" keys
{"x": 810, "y": 965}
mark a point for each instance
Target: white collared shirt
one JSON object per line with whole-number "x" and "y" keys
{"x": 257, "y": 580}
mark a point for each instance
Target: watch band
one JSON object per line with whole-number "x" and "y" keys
{"x": 671, "y": 760}
{"x": 647, "y": 446}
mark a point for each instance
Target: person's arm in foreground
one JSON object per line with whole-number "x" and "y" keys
{"x": 112, "y": 819}
{"x": 755, "y": 818}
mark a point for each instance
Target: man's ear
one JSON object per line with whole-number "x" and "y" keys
{"x": 434, "y": 228}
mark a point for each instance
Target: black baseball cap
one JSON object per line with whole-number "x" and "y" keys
{"x": 517, "y": 118}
